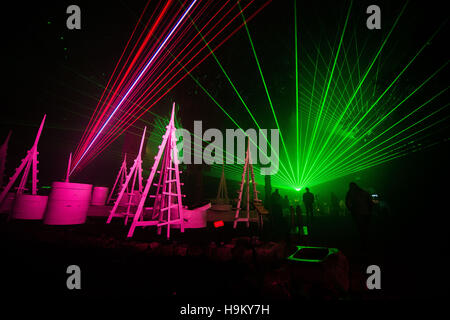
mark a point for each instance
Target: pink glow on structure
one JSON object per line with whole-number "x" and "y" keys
{"x": 28, "y": 163}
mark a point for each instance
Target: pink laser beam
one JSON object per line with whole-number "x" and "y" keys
{"x": 134, "y": 83}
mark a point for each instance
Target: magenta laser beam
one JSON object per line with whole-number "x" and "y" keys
{"x": 134, "y": 83}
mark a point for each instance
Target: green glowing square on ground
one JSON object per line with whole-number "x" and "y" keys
{"x": 311, "y": 254}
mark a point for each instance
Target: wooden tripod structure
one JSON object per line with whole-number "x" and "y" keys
{"x": 247, "y": 177}
{"x": 222, "y": 193}
{"x": 120, "y": 180}
{"x": 167, "y": 208}
{"x": 68, "y": 168}
{"x": 129, "y": 188}
{"x": 3, "y": 153}
{"x": 30, "y": 162}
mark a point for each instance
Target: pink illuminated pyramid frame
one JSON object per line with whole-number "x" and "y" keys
{"x": 167, "y": 209}
{"x": 30, "y": 162}
{"x": 3, "y": 153}
{"x": 248, "y": 177}
{"x": 123, "y": 207}
{"x": 120, "y": 180}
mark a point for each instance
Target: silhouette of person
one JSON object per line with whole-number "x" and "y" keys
{"x": 359, "y": 203}
{"x": 275, "y": 199}
{"x": 293, "y": 220}
{"x": 277, "y": 210}
{"x": 319, "y": 206}
{"x": 308, "y": 200}
{"x": 334, "y": 204}
{"x": 342, "y": 209}
{"x": 298, "y": 216}
{"x": 285, "y": 202}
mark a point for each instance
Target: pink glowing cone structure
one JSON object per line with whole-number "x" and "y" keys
{"x": 129, "y": 196}
{"x": 120, "y": 180}
{"x": 222, "y": 193}
{"x": 3, "y": 153}
{"x": 247, "y": 178}
{"x": 68, "y": 168}
{"x": 30, "y": 162}
{"x": 167, "y": 209}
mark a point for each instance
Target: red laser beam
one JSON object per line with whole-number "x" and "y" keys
{"x": 149, "y": 34}
{"x": 129, "y": 115}
{"x": 111, "y": 77}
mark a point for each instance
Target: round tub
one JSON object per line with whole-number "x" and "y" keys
{"x": 68, "y": 203}
{"x": 99, "y": 196}
{"x": 29, "y": 207}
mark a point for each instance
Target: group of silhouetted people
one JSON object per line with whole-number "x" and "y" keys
{"x": 276, "y": 211}
{"x": 358, "y": 202}
{"x": 296, "y": 220}
{"x": 308, "y": 201}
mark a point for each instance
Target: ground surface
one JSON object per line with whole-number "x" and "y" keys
{"x": 35, "y": 258}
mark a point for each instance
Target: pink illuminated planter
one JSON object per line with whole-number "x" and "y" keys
{"x": 194, "y": 219}
{"x": 68, "y": 203}
{"x": 29, "y": 207}
{"x": 221, "y": 207}
{"x": 7, "y": 205}
{"x": 99, "y": 196}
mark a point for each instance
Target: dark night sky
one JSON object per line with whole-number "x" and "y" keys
{"x": 40, "y": 76}
{"x": 42, "y": 63}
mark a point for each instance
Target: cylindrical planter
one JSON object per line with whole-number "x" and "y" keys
{"x": 194, "y": 219}
{"x": 221, "y": 207}
{"x": 99, "y": 196}
{"x": 29, "y": 207}
{"x": 68, "y": 203}
{"x": 8, "y": 202}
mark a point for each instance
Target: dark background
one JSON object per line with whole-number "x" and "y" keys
{"x": 50, "y": 69}
{"x": 40, "y": 62}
